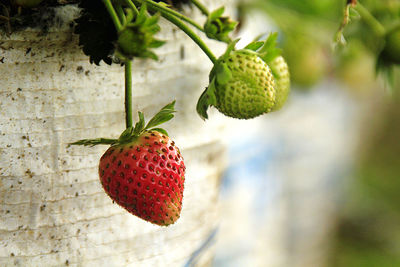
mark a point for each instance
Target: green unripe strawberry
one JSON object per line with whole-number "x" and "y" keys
{"x": 249, "y": 91}
{"x": 281, "y": 74}
{"x": 247, "y": 83}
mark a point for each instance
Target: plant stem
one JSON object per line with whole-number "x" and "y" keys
{"x": 132, "y": 6}
{"x": 201, "y": 7}
{"x": 128, "y": 93}
{"x": 121, "y": 14}
{"x": 163, "y": 9}
{"x": 153, "y": 6}
{"x": 372, "y": 22}
{"x": 113, "y": 14}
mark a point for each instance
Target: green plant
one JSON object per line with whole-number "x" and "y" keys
{"x": 119, "y": 31}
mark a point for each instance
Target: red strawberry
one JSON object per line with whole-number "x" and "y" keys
{"x": 143, "y": 171}
{"x": 146, "y": 177}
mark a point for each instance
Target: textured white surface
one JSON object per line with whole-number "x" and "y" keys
{"x": 52, "y": 207}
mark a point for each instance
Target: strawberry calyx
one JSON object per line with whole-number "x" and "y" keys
{"x": 218, "y": 27}
{"x": 267, "y": 50}
{"x": 132, "y": 133}
{"x": 136, "y": 37}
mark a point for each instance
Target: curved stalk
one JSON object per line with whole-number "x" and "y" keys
{"x": 153, "y": 6}
{"x": 369, "y": 19}
{"x": 201, "y": 7}
{"x": 113, "y": 14}
{"x": 162, "y": 8}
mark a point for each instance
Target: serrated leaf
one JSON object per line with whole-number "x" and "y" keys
{"x": 164, "y": 115}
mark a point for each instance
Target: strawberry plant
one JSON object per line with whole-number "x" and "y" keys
{"x": 384, "y": 34}
{"x": 143, "y": 170}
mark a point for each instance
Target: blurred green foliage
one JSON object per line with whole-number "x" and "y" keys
{"x": 368, "y": 227}
{"x": 368, "y": 232}
{"x": 307, "y": 31}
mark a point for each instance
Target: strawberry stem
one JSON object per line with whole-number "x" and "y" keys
{"x": 132, "y": 6}
{"x": 372, "y": 22}
{"x": 177, "y": 20}
{"x": 113, "y": 14}
{"x": 121, "y": 15}
{"x": 128, "y": 94}
{"x": 201, "y": 7}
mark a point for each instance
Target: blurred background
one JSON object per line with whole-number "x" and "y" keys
{"x": 318, "y": 182}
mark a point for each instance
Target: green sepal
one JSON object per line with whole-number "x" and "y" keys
{"x": 164, "y": 115}
{"x": 136, "y": 38}
{"x": 139, "y": 126}
{"x": 217, "y": 13}
{"x": 230, "y": 48}
{"x": 94, "y": 142}
{"x": 268, "y": 52}
{"x": 254, "y": 46}
{"x": 161, "y": 130}
{"x": 222, "y": 73}
{"x": 130, "y": 134}
{"x": 207, "y": 98}
{"x": 218, "y": 27}
{"x": 156, "y": 43}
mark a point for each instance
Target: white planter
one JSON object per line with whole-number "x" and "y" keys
{"x": 53, "y": 209}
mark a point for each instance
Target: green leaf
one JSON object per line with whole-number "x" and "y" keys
{"x": 223, "y": 74}
{"x": 254, "y": 46}
{"x": 230, "y": 48}
{"x": 161, "y": 130}
{"x": 139, "y": 126}
{"x": 126, "y": 134}
{"x": 94, "y": 142}
{"x": 268, "y": 52}
{"x": 129, "y": 15}
{"x": 217, "y": 13}
{"x": 206, "y": 99}
{"x": 156, "y": 43}
{"x": 152, "y": 20}
{"x": 164, "y": 115}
